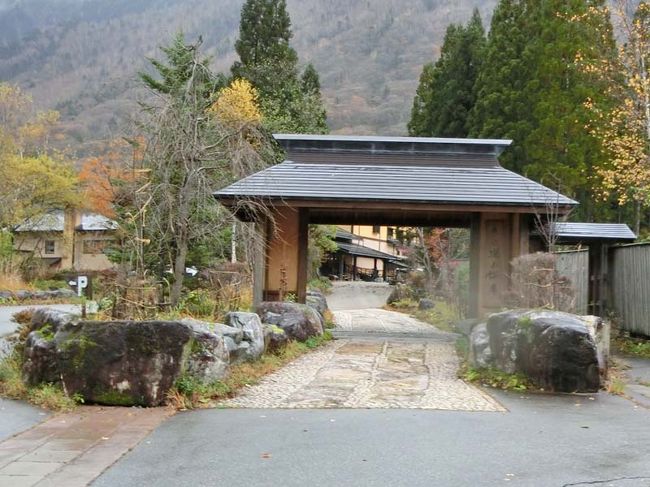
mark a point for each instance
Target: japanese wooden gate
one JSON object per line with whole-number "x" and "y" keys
{"x": 397, "y": 181}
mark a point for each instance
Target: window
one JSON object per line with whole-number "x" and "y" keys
{"x": 376, "y": 229}
{"x": 50, "y": 247}
{"x": 95, "y": 246}
{"x": 390, "y": 233}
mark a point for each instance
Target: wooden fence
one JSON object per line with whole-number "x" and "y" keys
{"x": 629, "y": 283}
{"x": 573, "y": 266}
{"x": 630, "y": 286}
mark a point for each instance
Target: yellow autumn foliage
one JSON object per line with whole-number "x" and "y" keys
{"x": 237, "y": 104}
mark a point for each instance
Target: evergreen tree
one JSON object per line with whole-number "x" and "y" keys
{"x": 290, "y": 103}
{"x": 446, "y": 92}
{"x": 531, "y": 90}
{"x": 310, "y": 80}
{"x": 172, "y": 76}
{"x": 265, "y": 57}
{"x": 502, "y": 108}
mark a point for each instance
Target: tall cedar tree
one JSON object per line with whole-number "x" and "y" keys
{"x": 446, "y": 94}
{"x": 532, "y": 91}
{"x": 268, "y": 61}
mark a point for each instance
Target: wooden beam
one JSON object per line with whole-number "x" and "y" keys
{"x": 303, "y": 254}
{"x": 397, "y": 205}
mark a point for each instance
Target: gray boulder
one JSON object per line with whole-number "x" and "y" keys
{"x": 426, "y": 304}
{"x": 124, "y": 362}
{"x": 251, "y": 346}
{"x": 480, "y": 354}
{"x": 298, "y": 321}
{"x": 51, "y": 318}
{"x": 399, "y": 293}
{"x": 275, "y": 339}
{"x": 317, "y": 300}
{"x": 557, "y": 351}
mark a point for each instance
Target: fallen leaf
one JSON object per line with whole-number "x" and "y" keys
{"x": 266, "y": 455}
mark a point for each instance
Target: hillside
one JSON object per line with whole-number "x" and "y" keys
{"x": 81, "y": 56}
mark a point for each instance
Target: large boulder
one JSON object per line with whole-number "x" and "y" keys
{"x": 124, "y": 362}
{"x": 317, "y": 300}
{"x": 251, "y": 346}
{"x": 557, "y": 351}
{"x": 298, "y": 321}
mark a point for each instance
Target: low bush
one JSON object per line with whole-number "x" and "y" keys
{"x": 636, "y": 346}
{"x": 49, "y": 284}
{"x": 496, "y": 378}
{"x": 322, "y": 284}
{"x": 48, "y": 396}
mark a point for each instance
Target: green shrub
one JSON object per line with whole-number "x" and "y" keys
{"x": 497, "y": 378}
{"x": 322, "y": 284}
{"x": 198, "y": 303}
{"x": 49, "y": 284}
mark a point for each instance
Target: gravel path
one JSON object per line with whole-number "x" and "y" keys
{"x": 372, "y": 372}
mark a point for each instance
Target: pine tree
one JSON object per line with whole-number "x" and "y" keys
{"x": 172, "y": 76}
{"x": 265, "y": 57}
{"x": 289, "y": 103}
{"x": 446, "y": 92}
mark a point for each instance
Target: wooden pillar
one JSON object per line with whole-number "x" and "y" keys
{"x": 495, "y": 238}
{"x": 341, "y": 257}
{"x": 384, "y": 272}
{"x": 598, "y": 282}
{"x": 259, "y": 261}
{"x": 286, "y": 262}
{"x": 303, "y": 254}
{"x": 475, "y": 245}
{"x": 354, "y": 268}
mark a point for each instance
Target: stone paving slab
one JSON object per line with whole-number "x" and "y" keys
{"x": 370, "y": 374}
{"x": 72, "y": 449}
{"x": 371, "y": 370}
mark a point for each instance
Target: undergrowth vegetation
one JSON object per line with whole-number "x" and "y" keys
{"x": 48, "y": 396}
{"x": 496, "y": 378}
{"x": 443, "y": 316}
{"x": 189, "y": 393}
{"x": 636, "y": 346}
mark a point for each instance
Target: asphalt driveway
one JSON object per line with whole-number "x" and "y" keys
{"x": 543, "y": 441}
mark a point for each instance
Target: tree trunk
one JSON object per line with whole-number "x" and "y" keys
{"x": 637, "y": 217}
{"x": 179, "y": 272}
{"x": 233, "y": 243}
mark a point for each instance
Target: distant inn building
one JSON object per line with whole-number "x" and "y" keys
{"x": 71, "y": 239}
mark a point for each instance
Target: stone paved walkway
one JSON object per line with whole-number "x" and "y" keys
{"x": 70, "y": 450}
{"x": 372, "y": 372}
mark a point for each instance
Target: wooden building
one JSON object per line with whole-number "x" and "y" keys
{"x": 392, "y": 181}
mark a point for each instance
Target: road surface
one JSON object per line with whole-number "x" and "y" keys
{"x": 6, "y": 312}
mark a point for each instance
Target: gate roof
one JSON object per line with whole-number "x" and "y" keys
{"x": 393, "y": 170}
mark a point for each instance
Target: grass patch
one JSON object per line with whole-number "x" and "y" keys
{"x": 443, "y": 316}
{"x": 627, "y": 345}
{"x": 322, "y": 284}
{"x": 188, "y": 393}
{"x": 48, "y": 396}
{"x": 329, "y": 320}
{"x": 496, "y": 378}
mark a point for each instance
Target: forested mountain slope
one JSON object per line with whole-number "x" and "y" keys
{"x": 81, "y": 56}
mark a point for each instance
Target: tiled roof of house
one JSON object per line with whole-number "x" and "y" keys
{"x": 54, "y": 222}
